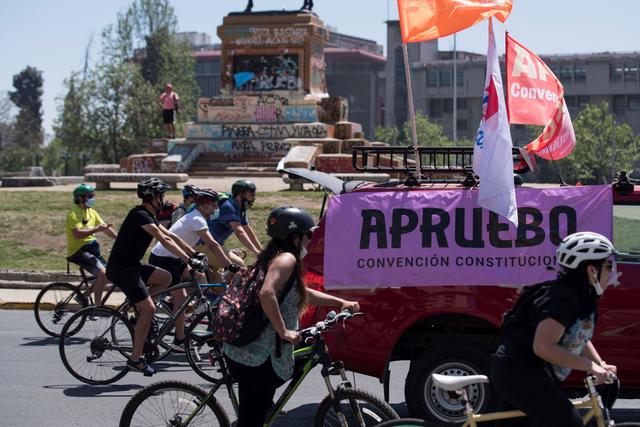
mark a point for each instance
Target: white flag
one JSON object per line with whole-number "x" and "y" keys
{"x": 492, "y": 157}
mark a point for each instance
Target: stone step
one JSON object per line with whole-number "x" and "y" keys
{"x": 244, "y": 173}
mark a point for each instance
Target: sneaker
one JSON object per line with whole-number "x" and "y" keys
{"x": 178, "y": 345}
{"x": 141, "y": 366}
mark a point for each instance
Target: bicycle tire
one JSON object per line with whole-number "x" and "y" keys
{"x": 164, "y": 402}
{"x": 63, "y": 298}
{"x": 373, "y": 409}
{"x": 201, "y": 357}
{"x": 91, "y": 341}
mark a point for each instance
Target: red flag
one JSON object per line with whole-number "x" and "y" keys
{"x": 535, "y": 97}
{"x": 422, "y": 20}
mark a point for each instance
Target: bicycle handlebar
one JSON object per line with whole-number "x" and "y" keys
{"x": 324, "y": 325}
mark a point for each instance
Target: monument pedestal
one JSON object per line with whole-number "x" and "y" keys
{"x": 270, "y": 51}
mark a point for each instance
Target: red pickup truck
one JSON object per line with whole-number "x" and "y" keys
{"x": 454, "y": 329}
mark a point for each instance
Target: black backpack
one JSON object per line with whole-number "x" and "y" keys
{"x": 518, "y": 313}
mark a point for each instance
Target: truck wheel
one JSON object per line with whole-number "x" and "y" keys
{"x": 424, "y": 400}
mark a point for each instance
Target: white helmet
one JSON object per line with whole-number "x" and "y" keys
{"x": 583, "y": 246}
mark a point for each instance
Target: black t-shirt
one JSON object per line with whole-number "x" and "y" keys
{"x": 557, "y": 300}
{"x": 132, "y": 241}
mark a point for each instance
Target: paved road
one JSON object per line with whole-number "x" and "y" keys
{"x": 37, "y": 390}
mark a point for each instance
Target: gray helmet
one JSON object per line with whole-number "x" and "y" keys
{"x": 151, "y": 187}
{"x": 285, "y": 220}
{"x": 242, "y": 185}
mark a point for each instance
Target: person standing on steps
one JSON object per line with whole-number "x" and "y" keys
{"x": 169, "y": 101}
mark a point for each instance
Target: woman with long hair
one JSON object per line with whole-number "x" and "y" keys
{"x": 263, "y": 365}
{"x": 548, "y": 333}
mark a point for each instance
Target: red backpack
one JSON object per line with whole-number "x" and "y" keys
{"x": 239, "y": 318}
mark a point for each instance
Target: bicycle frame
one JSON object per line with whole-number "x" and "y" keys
{"x": 591, "y": 401}
{"x": 313, "y": 355}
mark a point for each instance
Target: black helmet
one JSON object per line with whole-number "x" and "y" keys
{"x": 285, "y": 220}
{"x": 242, "y": 185}
{"x": 151, "y": 187}
{"x": 189, "y": 190}
{"x": 206, "y": 195}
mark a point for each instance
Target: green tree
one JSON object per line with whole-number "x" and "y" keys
{"x": 591, "y": 160}
{"x": 7, "y": 123}
{"x": 28, "y": 98}
{"x": 429, "y": 134}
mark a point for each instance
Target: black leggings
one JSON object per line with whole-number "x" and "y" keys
{"x": 533, "y": 391}
{"x": 256, "y": 388}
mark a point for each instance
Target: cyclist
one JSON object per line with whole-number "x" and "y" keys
{"x": 232, "y": 218}
{"x": 548, "y": 333}
{"x": 188, "y": 195}
{"x": 266, "y": 363}
{"x": 125, "y": 270}
{"x": 83, "y": 249}
{"x": 190, "y": 228}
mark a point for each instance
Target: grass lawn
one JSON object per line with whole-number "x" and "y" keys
{"x": 32, "y": 223}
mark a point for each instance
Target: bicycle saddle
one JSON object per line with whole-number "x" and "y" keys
{"x": 453, "y": 383}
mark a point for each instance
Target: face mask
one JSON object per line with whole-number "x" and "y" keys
{"x": 214, "y": 214}
{"x": 303, "y": 252}
{"x": 90, "y": 202}
{"x": 597, "y": 286}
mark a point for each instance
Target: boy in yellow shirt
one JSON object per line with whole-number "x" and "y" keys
{"x": 82, "y": 247}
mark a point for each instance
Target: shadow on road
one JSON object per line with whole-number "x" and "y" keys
{"x": 86, "y": 390}
{"x": 39, "y": 341}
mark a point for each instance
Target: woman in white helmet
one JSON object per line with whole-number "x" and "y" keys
{"x": 548, "y": 333}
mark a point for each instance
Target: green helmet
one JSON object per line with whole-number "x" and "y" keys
{"x": 242, "y": 185}
{"x": 81, "y": 190}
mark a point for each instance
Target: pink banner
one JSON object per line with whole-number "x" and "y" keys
{"x": 427, "y": 238}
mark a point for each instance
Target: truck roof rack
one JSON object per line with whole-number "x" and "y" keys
{"x": 436, "y": 163}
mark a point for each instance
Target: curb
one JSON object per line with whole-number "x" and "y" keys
{"x": 5, "y": 305}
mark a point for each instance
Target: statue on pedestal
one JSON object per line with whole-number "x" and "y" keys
{"x": 307, "y": 6}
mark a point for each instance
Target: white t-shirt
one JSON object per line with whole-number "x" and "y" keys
{"x": 186, "y": 228}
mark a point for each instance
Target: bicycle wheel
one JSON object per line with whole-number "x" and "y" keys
{"x": 54, "y": 304}
{"x": 97, "y": 353}
{"x": 201, "y": 355}
{"x": 355, "y": 407}
{"x": 173, "y": 403}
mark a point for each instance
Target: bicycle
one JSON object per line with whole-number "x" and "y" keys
{"x": 67, "y": 299}
{"x": 177, "y": 403}
{"x": 96, "y": 342}
{"x": 592, "y": 402}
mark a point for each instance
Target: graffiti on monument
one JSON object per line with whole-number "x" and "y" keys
{"x": 233, "y": 131}
{"x": 266, "y": 72}
{"x": 249, "y": 148}
{"x": 267, "y": 36}
{"x": 141, "y": 164}
{"x": 260, "y": 114}
{"x": 333, "y": 110}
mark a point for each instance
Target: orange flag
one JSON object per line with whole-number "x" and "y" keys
{"x": 422, "y": 20}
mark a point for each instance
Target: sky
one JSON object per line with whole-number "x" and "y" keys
{"x": 52, "y": 35}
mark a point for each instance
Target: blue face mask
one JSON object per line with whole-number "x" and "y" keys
{"x": 90, "y": 202}
{"x": 214, "y": 214}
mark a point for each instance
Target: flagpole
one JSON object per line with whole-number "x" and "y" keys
{"x": 455, "y": 92}
{"x": 412, "y": 114}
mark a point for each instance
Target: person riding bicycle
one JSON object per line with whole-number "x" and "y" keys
{"x": 83, "y": 249}
{"x": 125, "y": 270}
{"x": 548, "y": 333}
{"x": 188, "y": 196}
{"x": 232, "y": 219}
{"x": 266, "y": 363}
{"x": 191, "y": 228}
